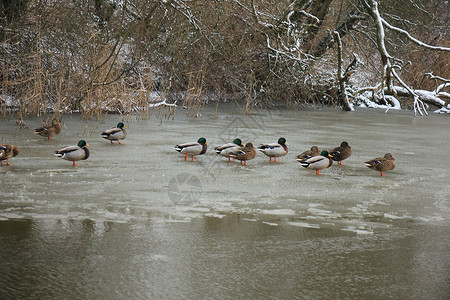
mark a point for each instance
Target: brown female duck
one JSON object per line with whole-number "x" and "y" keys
{"x": 50, "y": 130}
{"x": 307, "y": 154}
{"x": 6, "y": 152}
{"x": 382, "y": 164}
{"x": 247, "y": 153}
{"x": 340, "y": 153}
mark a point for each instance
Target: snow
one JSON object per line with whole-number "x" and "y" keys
{"x": 364, "y": 100}
{"x": 162, "y": 103}
{"x": 215, "y": 215}
{"x": 420, "y": 43}
{"x": 279, "y": 212}
{"x": 392, "y": 217}
{"x": 7, "y": 100}
{"x": 443, "y": 110}
{"x": 429, "y": 97}
{"x": 303, "y": 224}
{"x": 269, "y": 223}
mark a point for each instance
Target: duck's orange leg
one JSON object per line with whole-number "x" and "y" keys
{"x": 75, "y": 165}
{"x": 318, "y": 172}
{"x": 275, "y": 159}
{"x": 193, "y": 158}
{"x": 382, "y": 173}
{"x": 186, "y": 157}
{"x": 119, "y": 142}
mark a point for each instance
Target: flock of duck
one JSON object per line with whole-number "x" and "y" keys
{"x": 311, "y": 159}
{"x": 71, "y": 153}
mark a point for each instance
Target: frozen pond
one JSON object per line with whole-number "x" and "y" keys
{"x": 127, "y": 225}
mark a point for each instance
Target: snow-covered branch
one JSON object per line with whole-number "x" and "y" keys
{"x": 342, "y": 78}
{"x": 418, "y": 104}
{"x": 440, "y": 87}
{"x": 185, "y": 10}
{"x": 372, "y": 8}
{"x": 413, "y": 39}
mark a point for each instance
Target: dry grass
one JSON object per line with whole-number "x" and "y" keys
{"x": 59, "y": 59}
{"x": 194, "y": 101}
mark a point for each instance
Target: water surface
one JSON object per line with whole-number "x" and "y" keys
{"x": 136, "y": 221}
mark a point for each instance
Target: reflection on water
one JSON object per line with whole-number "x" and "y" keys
{"x": 113, "y": 229}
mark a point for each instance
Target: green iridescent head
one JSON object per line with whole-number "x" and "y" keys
{"x": 281, "y": 141}
{"x": 324, "y": 153}
{"x": 238, "y": 142}
{"x": 82, "y": 144}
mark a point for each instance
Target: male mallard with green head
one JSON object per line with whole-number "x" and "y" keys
{"x": 247, "y": 153}
{"x": 227, "y": 149}
{"x": 50, "y": 130}
{"x": 318, "y": 162}
{"x": 116, "y": 133}
{"x": 275, "y": 149}
{"x": 340, "y": 153}
{"x": 382, "y": 164}
{"x": 6, "y": 152}
{"x": 74, "y": 153}
{"x": 193, "y": 148}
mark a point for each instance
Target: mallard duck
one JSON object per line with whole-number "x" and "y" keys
{"x": 247, "y": 153}
{"x": 116, "y": 133}
{"x": 194, "y": 148}
{"x": 74, "y": 153}
{"x": 228, "y": 148}
{"x": 340, "y": 153}
{"x": 318, "y": 162}
{"x": 382, "y": 164}
{"x": 274, "y": 150}
{"x": 307, "y": 154}
{"x": 50, "y": 130}
{"x": 6, "y": 152}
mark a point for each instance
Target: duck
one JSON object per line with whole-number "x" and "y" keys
{"x": 274, "y": 150}
{"x": 307, "y": 154}
{"x": 116, "y": 133}
{"x": 6, "y": 152}
{"x": 228, "y": 148}
{"x": 247, "y": 153}
{"x": 318, "y": 162}
{"x": 340, "y": 153}
{"x": 193, "y": 149}
{"x": 382, "y": 164}
{"x": 74, "y": 153}
{"x": 49, "y": 131}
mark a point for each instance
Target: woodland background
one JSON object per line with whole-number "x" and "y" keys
{"x": 133, "y": 56}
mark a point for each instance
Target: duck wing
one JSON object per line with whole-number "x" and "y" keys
{"x": 191, "y": 148}
{"x": 67, "y": 150}
{"x": 111, "y": 131}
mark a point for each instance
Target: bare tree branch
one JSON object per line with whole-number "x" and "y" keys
{"x": 404, "y": 32}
